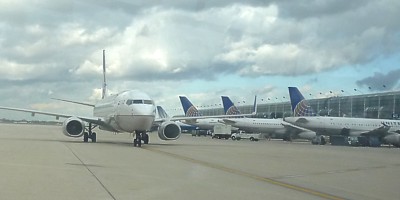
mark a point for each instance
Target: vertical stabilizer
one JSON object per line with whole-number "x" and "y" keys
{"x": 255, "y": 105}
{"x": 188, "y": 107}
{"x": 104, "y": 89}
{"x": 229, "y": 107}
{"x": 300, "y": 106}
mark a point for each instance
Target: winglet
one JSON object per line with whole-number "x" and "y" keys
{"x": 161, "y": 113}
{"x": 189, "y": 109}
{"x": 229, "y": 107}
{"x": 300, "y": 106}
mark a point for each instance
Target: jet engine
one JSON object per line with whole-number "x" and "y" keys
{"x": 393, "y": 139}
{"x": 309, "y": 135}
{"x": 169, "y": 130}
{"x": 73, "y": 127}
{"x": 319, "y": 139}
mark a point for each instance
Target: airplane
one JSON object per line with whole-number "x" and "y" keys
{"x": 131, "y": 111}
{"x": 275, "y": 128}
{"x": 206, "y": 123}
{"x": 162, "y": 114}
{"x": 303, "y": 115}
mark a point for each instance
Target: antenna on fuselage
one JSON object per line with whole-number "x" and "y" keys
{"x": 104, "y": 89}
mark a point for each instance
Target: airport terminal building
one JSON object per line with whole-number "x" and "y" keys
{"x": 384, "y": 105}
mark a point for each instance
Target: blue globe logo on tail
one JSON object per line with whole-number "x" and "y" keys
{"x": 233, "y": 111}
{"x": 300, "y": 106}
{"x": 192, "y": 112}
{"x": 303, "y": 109}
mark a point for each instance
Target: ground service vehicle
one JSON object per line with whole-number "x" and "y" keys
{"x": 222, "y": 131}
{"x": 243, "y": 135}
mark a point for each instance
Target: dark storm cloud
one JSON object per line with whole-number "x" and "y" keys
{"x": 380, "y": 81}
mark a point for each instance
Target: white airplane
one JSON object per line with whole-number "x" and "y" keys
{"x": 383, "y": 129}
{"x": 204, "y": 123}
{"x": 130, "y": 111}
{"x": 275, "y": 128}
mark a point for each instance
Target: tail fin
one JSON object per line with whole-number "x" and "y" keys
{"x": 188, "y": 107}
{"x": 161, "y": 113}
{"x": 300, "y": 106}
{"x": 104, "y": 89}
{"x": 255, "y": 105}
{"x": 229, "y": 107}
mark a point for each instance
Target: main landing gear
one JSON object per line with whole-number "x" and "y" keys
{"x": 139, "y": 136}
{"x": 89, "y": 134}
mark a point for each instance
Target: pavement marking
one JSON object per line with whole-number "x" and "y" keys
{"x": 253, "y": 176}
{"x": 94, "y": 175}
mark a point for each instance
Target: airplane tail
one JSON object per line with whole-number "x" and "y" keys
{"x": 255, "y": 105}
{"x": 189, "y": 109}
{"x": 104, "y": 89}
{"x": 300, "y": 105}
{"x": 229, "y": 107}
{"x": 161, "y": 113}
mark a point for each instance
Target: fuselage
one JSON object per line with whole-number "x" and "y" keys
{"x": 127, "y": 111}
{"x": 254, "y": 125}
{"x": 342, "y": 125}
{"x": 206, "y": 123}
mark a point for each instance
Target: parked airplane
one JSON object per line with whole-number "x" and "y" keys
{"x": 384, "y": 129}
{"x": 130, "y": 111}
{"x": 206, "y": 123}
{"x": 273, "y": 127}
{"x": 163, "y": 116}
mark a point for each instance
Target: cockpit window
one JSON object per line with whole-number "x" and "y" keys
{"x": 148, "y": 102}
{"x": 138, "y": 101}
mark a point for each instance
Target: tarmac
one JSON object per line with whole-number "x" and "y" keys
{"x": 39, "y": 162}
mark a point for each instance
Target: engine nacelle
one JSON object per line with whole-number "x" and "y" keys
{"x": 309, "y": 135}
{"x": 393, "y": 139}
{"x": 169, "y": 130}
{"x": 73, "y": 127}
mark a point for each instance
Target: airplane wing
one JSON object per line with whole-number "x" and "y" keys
{"x": 293, "y": 128}
{"x": 94, "y": 120}
{"x": 228, "y": 121}
{"x": 213, "y": 116}
{"x": 75, "y": 102}
{"x": 381, "y": 131}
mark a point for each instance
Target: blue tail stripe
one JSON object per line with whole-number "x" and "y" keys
{"x": 295, "y": 97}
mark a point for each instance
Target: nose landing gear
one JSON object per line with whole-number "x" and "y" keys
{"x": 139, "y": 136}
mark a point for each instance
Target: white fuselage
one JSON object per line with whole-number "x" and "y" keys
{"x": 336, "y": 125}
{"x": 273, "y": 127}
{"x": 127, "y": 111}
{"x": 206, "y": 123}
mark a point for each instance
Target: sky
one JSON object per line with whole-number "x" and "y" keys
{"x": 200, "y": 49}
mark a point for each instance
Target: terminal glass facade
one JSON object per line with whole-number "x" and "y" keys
{"x": 380, "y": 106}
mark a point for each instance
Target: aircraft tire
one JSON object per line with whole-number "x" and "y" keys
{"x": 85, "y": 137}
{"x": 145, "y": 138}
{"x": 139, "y": 142}
{"x": 93, "y": 137}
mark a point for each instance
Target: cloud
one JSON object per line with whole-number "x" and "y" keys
{"x": 380, "y": 81}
